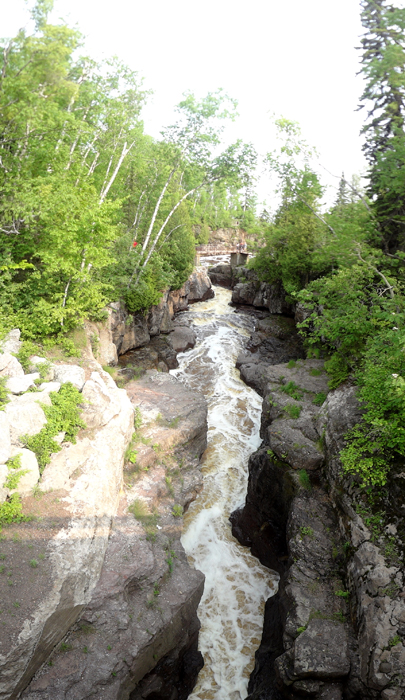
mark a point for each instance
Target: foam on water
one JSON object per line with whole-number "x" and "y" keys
{"x": 236, "y": 585}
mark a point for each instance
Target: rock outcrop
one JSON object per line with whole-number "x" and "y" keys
{"x": 89, "y": 603}
{"x": 336, "y": 627}
{"x": 130, "y": 331}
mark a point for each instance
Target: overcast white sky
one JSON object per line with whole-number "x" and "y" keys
{"x": 292, "y": 58}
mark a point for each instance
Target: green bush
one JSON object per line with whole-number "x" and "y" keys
{"x": 292, "y": 390}
{"x": 62, "y": 416}
{"x": 293, "y": 410}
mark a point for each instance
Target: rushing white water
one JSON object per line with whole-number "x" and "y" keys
{"x": 236, "y": 585}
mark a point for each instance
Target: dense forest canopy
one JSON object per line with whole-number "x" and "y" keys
{"x": 93, "y": 210}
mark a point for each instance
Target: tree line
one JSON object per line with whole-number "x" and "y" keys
{"x": 92, "y": 209}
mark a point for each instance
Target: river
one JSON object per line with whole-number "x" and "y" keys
{"x": 236, "y": 585}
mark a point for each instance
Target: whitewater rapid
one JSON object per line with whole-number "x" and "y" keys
{"x": 236, "y": 585}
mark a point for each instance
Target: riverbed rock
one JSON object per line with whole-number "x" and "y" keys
{"x": 125, "y": 636}
{"x": 198, "y": 286}
{"x": 221, "y": 274}
{"x": 100, "y": 403}
{"x": 291, "y": 445}
{"x": 183, "y": 412}
{"x": 261, "y": 523}
{"x": 131, "y": 331}
{"x": 321, "y": 651}
{"x": 182, "y": 339}
{"x": 137, "y": 635}
{"x": 249, "y": 290}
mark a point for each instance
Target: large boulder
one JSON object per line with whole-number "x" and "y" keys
{"x": 70, "y": 373}
{"x": 199, "y": 286}
{"x": 9, "y": 366}
{"x": 29, "y": 465}
{"x": 101, "y": 404}
{"x": 221, "y": 274}
{"x": 182, "y": 339}
{"x": 24, "y": 419}
{"x": 18, "y": 385}
{"x": 11, "y": 343}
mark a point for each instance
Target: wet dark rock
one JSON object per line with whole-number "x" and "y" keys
{"x": 249, "y": 290}
{"x": 321, "y": 651}
{"x": 182, "y": 338}
{"x": 262, "y": 680}
{"x": 333, "y": 558}
{"x": 261, "y": 523}
{"x": 221, "y": 274}
{"x": 290, "y": 444}
{"x": 174, "y": 677}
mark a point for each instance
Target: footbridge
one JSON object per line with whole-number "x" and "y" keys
{"x": 238, "y": 253}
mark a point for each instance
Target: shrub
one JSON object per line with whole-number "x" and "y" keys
{"x": 292, "y": 410}
{"x": 293, "y": 390}
{"x": 319, "y": 399}
{"x": 62, "y": 416}
{"x": 304, "y": 479}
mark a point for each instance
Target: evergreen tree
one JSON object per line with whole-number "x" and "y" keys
{"x": 383, "y": 59}
{"x": 343, "y": 196}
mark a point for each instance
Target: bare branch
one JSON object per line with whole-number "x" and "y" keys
{"x": 317, "y": 215}
{"x": 377, "y": 271}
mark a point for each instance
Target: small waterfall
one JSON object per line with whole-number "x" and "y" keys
{"x": 237, "y": 586}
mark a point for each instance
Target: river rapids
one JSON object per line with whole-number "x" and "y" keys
{"x": 236, "y": 585}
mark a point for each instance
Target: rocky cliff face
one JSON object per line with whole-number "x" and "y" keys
{"x": 335, "y": 630}
{"x": 99, "y": 598}
{"x": 129, "y": 331}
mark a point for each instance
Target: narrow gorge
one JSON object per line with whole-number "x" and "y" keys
{"x": 127, "y": 547}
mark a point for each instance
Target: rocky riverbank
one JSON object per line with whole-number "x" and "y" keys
{"x": 97, "y": 595}
{"x": 335, "y": 630}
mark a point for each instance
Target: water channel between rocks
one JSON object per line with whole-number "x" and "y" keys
{"x": 236, "y": 585}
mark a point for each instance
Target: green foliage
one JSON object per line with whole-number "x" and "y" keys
{"x": 342, "y": 594}
{"x": 304, "y": 479}
{"x": 4, "y": 396}
{"x": 137, "y": 418}
{"x": 13, "y": 478}
{"x": 292, "y": 390}
{"x": 293, "y": 410}
{"x": 177, "y": 510}
{"x": 319, "y": 399}
{"x": 11, "y": 510}
{"x": 62, "y": 416}
{"x": 140, "y": 511}
{"x": 306, "y": 532}
{"x": 394, "y": 641}
{"x": 291, "y": 364}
